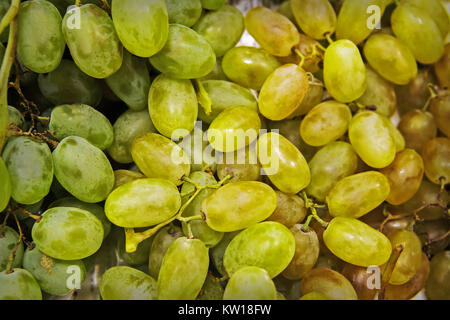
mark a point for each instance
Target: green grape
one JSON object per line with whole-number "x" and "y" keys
{"x": 286, "y": 10}
{"x": 16, "y": 117}
{"x": 435, "y": 10}
{"x": 5, "y": 187}
{"x": 217, "y": 73}
{"x": 372, "y": 248}
{"x": 250, "y": 283}
{"x": 234, "y": 129}
{"x": 344, "y": 71}
{"x": 222, "y": 28}
{"x": 40, "y": 42}
{"x": 225, "y": 94}
{"x": 436, "y": 158}
{"x": 129, "y": 126}
{"x": 329, "y": 165}
{"x": 125, "y": 283}
{"x": 283, "y": 163}
{"x": 390, "y": 58}
{"x": 442, "y": 68}
{"x": 316, "y": 18}
{"x": 138, "y": 257}
{"x": 211, "y": 290}
{"x": 30, "y": 167}
{"x": 440, "y": 108}
{"x": 186, "y": 54}
{"x": 197, "y": 148}
{"x": 379, "y": 93}
{"x": 419, "y": 32}
{"x": 4, "y": 6}
{"x": 256, "y": 201}
{"x": 404, "y": 175}
{"x": 410, "y": 258}
{"x": 51, "y": 274}
{"x": 68, "y": 233}
{"x": 437, "y": 286}
{"x": 218, "y": 252}
{"x": 290, "y": 209}
{"x": 283, "y": 92}
{"x": 354, "y": 19}
{"x": 19, "y": 285}
{"x": 124, "y": 176}
{"x": 143, "y": 203}
{"x": 371, "y": 139}
{"x": 213, "y": 4}
{"x": 129, "y": 16}
{"x": 356, "y": 195}
{"x": 162, "y": 241}
{"x": 131, "y": 82}
{"x": 83, "y": 169}
{"x": 249, "y": 66}
{"x": 68, "y": 85}
{"x": 93, "y": 208}
{"x": 183, "y": 270}
{"x": 274, "y": 32}
{"x": 8, "y": 241}
{"x": 325, "y": 123}
{"x": 417, "y": 127}
{"x": 158, "y": 157}
{"x": 313, "y": 295}
{"x": 185, "y": 12}
{"x": 396, "y": 135}
{"x": 306, "y": 253}
{"x": 267, "y": 245}
{"x": 82, "y": 121}
{"x": 242, "y": 165}
{"x": 329, "y": 283}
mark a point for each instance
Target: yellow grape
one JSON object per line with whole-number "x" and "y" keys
{"x": 250, "y": 283}
{"x": 329, "y": 284}
{"x": 440, "y": 108}
{"x": 436, "y": 157}
{"x": 315, "y": 17}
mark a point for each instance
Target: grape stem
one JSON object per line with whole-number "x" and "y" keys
{"x": 10, "y": 15}
{"x": 309, "y": 204}
{"x": 387, "y": 273}
{"x": 433, "y": 95}
{"x": 30, "y": 214}
{"x": 191, "y": 218}
{"x": 306, "y": 224}
{"x": 302, "y": 58}
{"x": 12, "y": 255}
{"x": 203, "y": 97}
{"x": 328, "y": 37}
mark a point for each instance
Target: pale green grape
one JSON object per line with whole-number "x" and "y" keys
{"x": 213, "y": 4}
{"x": 312, "y": 98}
{"x": 242, "y": 165}
{"x": 250, "y": 283}
{"x": 19, "y": 285}
{"x": 315, "y": 17}
{"x": 327, "y": 283}
{"x": 124, "y": 176}
{"x": 8, "y": 241}
{"x": 218, "y": 251}
{"x": 185, "y": 12}
{"x": 436, "y": 10}
{"x": 5, "y": 187}
{"x": 201, "y": 154}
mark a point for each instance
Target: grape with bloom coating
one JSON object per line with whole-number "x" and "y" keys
{"x": 8, "y": 240}
{"x": 316, "y": 18}
{"x": 185, "y": 12}
{"x": 19, "y": 285}
{"x": 250, "y": 283}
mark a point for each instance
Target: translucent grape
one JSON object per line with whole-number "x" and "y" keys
{"x": 418, "y": 128}
{"x": 185, "y": 12}
{"x": 329, "y": 283}
{"x": 19, "y": 285}
{"x": 435, "y": 10}
{"x": 290, "y": 209}
{"x": 315, "y": 17}
{"x": 250, "y": 283}
{"x": 436, "y": 157}
{"x": 8, "y": 240}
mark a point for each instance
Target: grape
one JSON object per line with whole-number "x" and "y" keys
{"x": 329, "y": 283}
{"x": 396, "y": 135}
{"x": 267, "y": 245}
{"x": 435, "y": 10}
{"x": 315, "y": 17}
{"x": 52, "y": 274}
{"x": 30, "y": 167}
{"x": 309, "y": 48}
{"x": 19, "y": 285}
{"x": 329, "y": 165}
{"x": 5, "y": 187}
{"x": 442, "y": 68}
{"x": 94, "y": 44}
{"x": 125, "y": 283}
{"x": 16, "y": 117}
{"x": 242, "y": 166}
{"x": 162, "y": 241}
{"x": 437, "y": 286}
{"x": 371, "y": 139}
{"x": 255, "y": 201}
{"x": 213, "y": 4}
{"x": 274, "y": 32}
{"x": 286, "y": 10}
{"x": 354, "y": 18}
{"x": 4, "y": 6}
{"x": 158, "y": 157}
{"x": 436, "y": 158}
{"x": 289, "y": 211}
{"x": 137, "y": 258}
{"x": 359, "y": 277}
{"x": 283, "y": 163}
{"x": 124, "y": 176}
{"x": 440, "y": 108}
{"x": 312, "y": 98}
{"x": 172, "y": 105}
{"x": 222, "y": 28}
{"x": 418, "y": 127}
{"x": 306, "y": 253}
{"x": 68, "y": 233}
{"x": 419, "y": 32}
{"x": 186, "y": 54}
{"x": 410, "y": 258}
{"x": 283, "y": 92}
{"x": 131, "y": 82}
{"x": 40, "y": 42}
{"x": 8, "y": 240}
{"x": 211, "y": 290}
{"x": 83, "y": 169}
{"x": 129, "y": 16}
{"x": 313, "y": 295}
{"x": 93, "y": 208}
{"x": 379, "y": 93}
{"x": 390, "y": 58}
{"x": 129, "y": 126}
{"x": 325, "y": 123}
{"x": 218, "y": 252}
{"x": 248, "y": 66}
{"x": 217, "y": 73}
{"x": 68, "y": 85}
{"x": 371, "y": 248}
{"x": 183, "y": 270}
{"x": 404, "y": 175}
{"x": 82, "y": 121}
{"x": 185, "y": 12}
{"x": 433, "y": 235}
{"x": 250, "y": 283}
{"x": 143, "y": 203}
{"x": 201, "y": 154}
{"x": 225, "y": 94}
{"x": 344, "y": 71}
